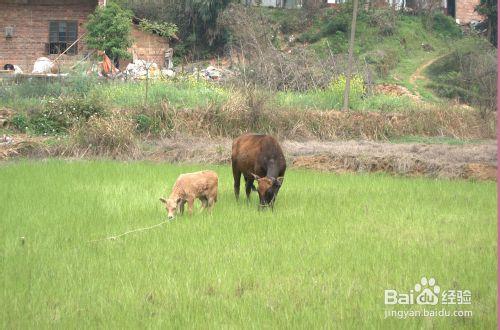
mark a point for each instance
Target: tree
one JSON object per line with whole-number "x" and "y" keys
{"x": 202, "y": 16}
{"x": 489, "y": 8}
{"x": 108, "y": 29}
{"x": 351, "y": 48}
{"x": 197, "y": 21}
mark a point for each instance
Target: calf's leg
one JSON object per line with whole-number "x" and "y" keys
{"x": 190, "y": 203}
{"x": 204, "y": 201}
{"x": 212, "y": 198}
{"x": 181, "y": 207}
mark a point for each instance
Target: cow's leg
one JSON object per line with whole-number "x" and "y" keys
{"x": 237, "y": 178}
{"x": 248, "y": 187}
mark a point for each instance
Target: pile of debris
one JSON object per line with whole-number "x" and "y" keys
{"x": 22, "y": 145}
{"x": 140, "y": 69}
{"x": 394, "y": 90}
{"x": 213, "y": 73}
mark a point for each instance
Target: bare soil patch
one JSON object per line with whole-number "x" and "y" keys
{"x": 394, "y": 90}
{"x": 469, "y": 161}
{"x": 477, "y": 161}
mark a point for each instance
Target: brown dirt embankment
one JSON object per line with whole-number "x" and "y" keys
{"x": 469, "y": 161}
{"x": 477, "y": 161}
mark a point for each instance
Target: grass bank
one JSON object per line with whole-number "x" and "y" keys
{"x": 322, "y": 259}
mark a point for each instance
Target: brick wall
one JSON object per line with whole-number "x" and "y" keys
{"x": 146, "y": 46}
{"x": 464, "y": 11}
{"x": 31, "y": 28}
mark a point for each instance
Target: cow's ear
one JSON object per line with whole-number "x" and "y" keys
{"x": 256, "y": 177}
{"x": 163, "y": 200}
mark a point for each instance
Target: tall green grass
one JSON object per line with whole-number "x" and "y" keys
{"x": 178, "y": 94}
{"x": 323, "y": 258}
{"x": 326, "y": 100}
{"x": 191, "y": 94}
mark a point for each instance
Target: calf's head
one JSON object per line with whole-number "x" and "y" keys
{"x": 171, "y": 205}
{"x": 268, "y": 188}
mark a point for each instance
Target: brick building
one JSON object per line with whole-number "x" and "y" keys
{"x": 30, "y": 29}
{"x": 462, "y": 10}
{"x": 34, "y": 28}
{"x": 146, "y": 46}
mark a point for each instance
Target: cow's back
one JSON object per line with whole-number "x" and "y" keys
{"x": 252, "y": 153}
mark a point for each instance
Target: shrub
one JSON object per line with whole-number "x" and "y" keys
{"x": 60, "y": 114}
{"x": 384, "y": 20}
{"x": 108, "y": 29}
{"x": 469, "y": 74}
{"x": 292, "y": 24}
{"x": 339, "y": 23}
{"x": 331, "y": 23}
{"x": 445, "y": 25}
{"x": 335, "y": 44}
{"x": 111, "y": 135}
{"x": 50, "y": 121}
{"x": 383, "y": 61}
{"x": 20, "y": 122}
{"x": 147, "y": 124}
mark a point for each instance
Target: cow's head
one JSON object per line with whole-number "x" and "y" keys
{"x": 171, "y": 205}
{"x": 268, "y": 188}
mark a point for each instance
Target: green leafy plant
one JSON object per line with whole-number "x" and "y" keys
{"x": 445, "y": 25}
{"x": 20, "y": 122}
{"x": 60, "y": 114}
{"x": 163, "y": 29}
{"x": 357, "y": 89}
{"x": 147, "y": 124}
{"x": 108, "y": 29}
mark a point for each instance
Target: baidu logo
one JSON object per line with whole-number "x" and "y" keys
{"x": 427, "y": 292}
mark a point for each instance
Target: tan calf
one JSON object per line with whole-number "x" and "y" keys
{"x": 202, "y": 185}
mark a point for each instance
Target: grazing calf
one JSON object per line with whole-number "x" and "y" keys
{"x": 202, "y": 185}
{"x": 258, "y": 157}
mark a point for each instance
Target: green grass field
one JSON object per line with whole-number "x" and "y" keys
{"x": 323, "y": 258}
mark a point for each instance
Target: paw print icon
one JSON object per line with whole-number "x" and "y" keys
{"x": 427, "y": 291}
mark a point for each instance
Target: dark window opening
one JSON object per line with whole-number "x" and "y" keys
{"x": 61, "y": 35}
{"x": 450, "y": 4}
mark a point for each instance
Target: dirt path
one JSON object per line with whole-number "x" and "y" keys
{"x": 410, "y": 159}
{"x": 418, "y": 74}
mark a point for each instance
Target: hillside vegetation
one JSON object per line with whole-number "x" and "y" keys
{"x": 287, "y": 78}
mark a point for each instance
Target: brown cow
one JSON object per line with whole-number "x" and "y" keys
{"x": 258, "y": 157}
{"x": 188, "y": 187}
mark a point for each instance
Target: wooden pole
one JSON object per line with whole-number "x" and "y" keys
{"x": 69, "y": 47}
{"x": 349, "y": 64}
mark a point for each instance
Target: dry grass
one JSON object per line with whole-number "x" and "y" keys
{"x": 243, "y": 113}
{"x": 111, "y": 136}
